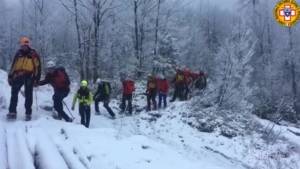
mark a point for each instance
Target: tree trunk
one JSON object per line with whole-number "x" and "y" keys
{"x": 82, "y": 74}
{"x": 136, "y": 31}
{"x": 293, "y": 72}
{"x": 96, "y": 20}
{"x": 156, "y": 28}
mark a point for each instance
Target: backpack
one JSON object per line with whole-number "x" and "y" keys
{"x": 27, "y": 62}
{"x": 201, "y": 82}
{"x": 105, "y": 89}
{"x": 129, "y": 87}
{"x": 151, "y": 85}
{"x": 179, "y": 78}
{"x": 61, "y": 79}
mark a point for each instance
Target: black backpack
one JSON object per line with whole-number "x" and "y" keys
{"x": 201, "y": 83}
{"x": 104, "y": 90}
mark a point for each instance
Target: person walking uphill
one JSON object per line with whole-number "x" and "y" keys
{"x": 103, "y": 95}
{"x": 151, "y": 92}
{"x": 85, "y": 99}
{"x": 128, "y": 89}
{"x": 25, "y": 70}
{"x": 163, "y": 89}
{"x": 180, "y": 84}
{"x": 59, "y": 80}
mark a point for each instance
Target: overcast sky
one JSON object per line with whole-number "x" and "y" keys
{"x": 228, "y": 4}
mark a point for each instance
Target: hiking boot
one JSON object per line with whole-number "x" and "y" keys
{"x": 70, "y": 120}
{"x": 27, "y": 117}
{"x": 11, "y": 116}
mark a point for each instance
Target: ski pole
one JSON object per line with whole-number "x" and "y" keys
{"x": 36, "y": 100}
{"x": 68, "y": 109}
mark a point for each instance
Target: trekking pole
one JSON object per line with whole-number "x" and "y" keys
{"x": 68, "y": 110}
{"x": 36, "y": 100}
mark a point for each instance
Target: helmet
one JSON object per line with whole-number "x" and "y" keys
{"x": 161, "y": 76}
{"x": 186, "y": 69}
{"x": 24, "y": 41}
{"x": 50, "y": 64}
{"x": 98, "y": 80}
{"x": 83, "y": 83}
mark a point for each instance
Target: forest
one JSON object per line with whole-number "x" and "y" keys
{"x": 251, "y": 61}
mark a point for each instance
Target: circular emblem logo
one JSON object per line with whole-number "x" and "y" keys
{"x": 287, "y": 12}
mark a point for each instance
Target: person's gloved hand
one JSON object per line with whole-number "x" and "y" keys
{"x": 73, "y": 108}
{"x": 35, "y": 83}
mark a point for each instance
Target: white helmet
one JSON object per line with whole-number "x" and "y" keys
{"x": 161, "y": 76}
{"x": 98, "y": 80}
{"x": 50, "y": 64}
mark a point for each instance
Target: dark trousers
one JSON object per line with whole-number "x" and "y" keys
{"x": 27, "y": 81}
{"x": 162, "y": 98}
{"x": 106, "y": 106}
{"x": 85, "y": 114}
{"x": 151, "y": 97}
{"x": 179, "y": 92}
{"x": 186, "y": 92}
{"x": 128, "y": 98}
{"x": 58, "y": 104}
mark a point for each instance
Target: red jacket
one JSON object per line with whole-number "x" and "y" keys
{"x": 128, "y": 87}
{"x": 163, "y": 86}
{"x": 58, "y": 78}
{"x": 187, "y": 76}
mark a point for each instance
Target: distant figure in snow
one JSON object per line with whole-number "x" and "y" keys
{"x": 128, "y": 89}
{"x": 188, "y": 83}
{"x": 103, "y": 95}
{"x": 200, "y": 80}
{"x": 151, "y": 92}
{"x": 180, "y": 85}
{"x": 59, "y": 80}
{"x": 25, "y": 70}
{"x": 163, "y": 89}
{"x": 85, "y": 98}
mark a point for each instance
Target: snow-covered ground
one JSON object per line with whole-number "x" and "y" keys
{"x": 149, "y": 140}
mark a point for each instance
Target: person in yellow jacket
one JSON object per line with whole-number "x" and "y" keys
{"x": 85, "y": 99}
{"x": 25, "y": 71}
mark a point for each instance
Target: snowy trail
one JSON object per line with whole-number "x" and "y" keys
{"x": 3, "y": 148}
{"x": 27, "y": 147}
{"x": 71, "y": 151}
{"x": 17, "y": 149}
{"x": 65, "y": 155}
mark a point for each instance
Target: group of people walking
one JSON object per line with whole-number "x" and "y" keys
{"x": 26, "y": 70}
{"x": 159, "y": 85}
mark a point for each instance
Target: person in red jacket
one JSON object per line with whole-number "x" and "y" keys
{"x": 128, "y": 89}
{"x": 58, "y": 78}
{"x": 163, "y": 89}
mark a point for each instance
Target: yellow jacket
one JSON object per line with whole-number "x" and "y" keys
{"x": 26, "y": 61}
{"x": 84, "y": 96}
